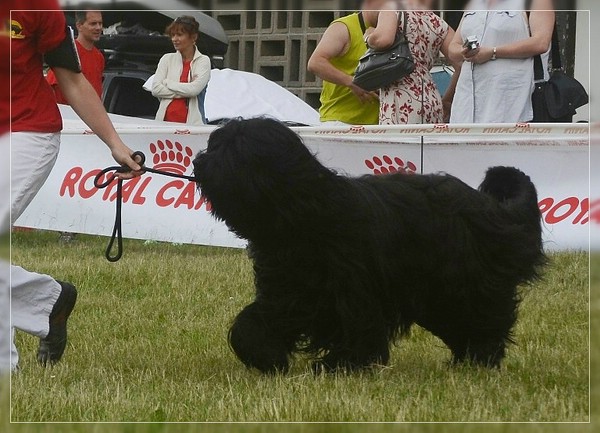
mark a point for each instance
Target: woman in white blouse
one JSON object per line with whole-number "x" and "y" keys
{"x": 496, "y": 78}
{"x": 181, "y": 76}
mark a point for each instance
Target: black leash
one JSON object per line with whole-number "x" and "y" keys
{"x": 117, "y": 232}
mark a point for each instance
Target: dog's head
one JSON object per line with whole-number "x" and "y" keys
{"x": 253, "y": 170}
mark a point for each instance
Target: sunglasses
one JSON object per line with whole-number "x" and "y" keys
{"x": 185, "y": 20}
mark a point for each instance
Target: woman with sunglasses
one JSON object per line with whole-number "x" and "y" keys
{"x": 181, "y": 76}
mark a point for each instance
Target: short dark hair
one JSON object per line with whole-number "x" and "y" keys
{"x": 186, "y": 23}
{"x": 81, "y": 14}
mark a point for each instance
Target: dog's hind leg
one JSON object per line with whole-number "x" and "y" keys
{"x": 478, "y": 328}
{"x": 481, "y": 341}
{"x": 258, "y": 343}
{"x": 487, "y": 352}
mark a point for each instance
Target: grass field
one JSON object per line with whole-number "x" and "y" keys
{"x": 148, "y": 344}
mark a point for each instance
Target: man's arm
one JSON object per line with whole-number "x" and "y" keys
{"x": 85, "y": 101}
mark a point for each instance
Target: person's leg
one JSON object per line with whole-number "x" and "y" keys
{"x": 32, "y": 157}
{"x": 4, "y": 184}
{"x": 5, "y": 335}
{"x": 32, "y": 298}
{"x": 36, "y": 305}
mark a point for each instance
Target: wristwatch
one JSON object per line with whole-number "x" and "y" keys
{"x": 493, "y": 53}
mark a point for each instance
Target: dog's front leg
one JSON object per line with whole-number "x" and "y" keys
{"x": 357, "y": 345}
{"x": 347, "y": 362}
{"x": 258, "y": 342}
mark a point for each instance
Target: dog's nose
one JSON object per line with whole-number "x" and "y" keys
{"x": 197, "y": 159}
{"x": 199, "y": 164}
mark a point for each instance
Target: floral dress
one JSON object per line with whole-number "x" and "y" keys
{"x": 415, "y": 98}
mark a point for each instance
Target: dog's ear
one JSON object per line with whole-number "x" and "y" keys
{"x": 212, "y": 164}
{"x": 225, "y": 135}
{"x": 270, "y": 144}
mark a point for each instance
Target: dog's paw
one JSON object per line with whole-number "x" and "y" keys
{"x": 319, "y": 367}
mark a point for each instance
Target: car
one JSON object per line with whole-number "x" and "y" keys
{"x": 122, "y": 92}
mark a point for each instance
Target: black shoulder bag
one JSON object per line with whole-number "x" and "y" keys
{"x": 557, "y": 99}
{"x": 378, "y": 69}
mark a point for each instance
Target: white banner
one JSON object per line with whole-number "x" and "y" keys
{"x": 155, "y": 207}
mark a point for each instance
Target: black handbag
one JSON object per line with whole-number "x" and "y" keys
{"x": 378, "y": 69}
{"x": 557, "y": 99}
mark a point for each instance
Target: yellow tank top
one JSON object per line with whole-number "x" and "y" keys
{"x": 338, "y": 102}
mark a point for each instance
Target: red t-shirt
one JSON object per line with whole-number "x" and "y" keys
{"x": 4, "y": 70}
{"x": 177, "y": 110}
{"x": 36, "y": 28}
{"x": 92, "y": 66}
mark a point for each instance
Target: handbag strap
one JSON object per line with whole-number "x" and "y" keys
{"x": 361, "y": 21}
{"x": 404, "y": 23}
{"x": 556, "y": 62}
{"x": 538, "y": 71}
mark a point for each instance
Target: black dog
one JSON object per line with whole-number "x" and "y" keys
{"x": 343, "y": 266}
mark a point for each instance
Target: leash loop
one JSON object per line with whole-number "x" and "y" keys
{"x": 117, "y": 233}
{"x": 117, "y": 229}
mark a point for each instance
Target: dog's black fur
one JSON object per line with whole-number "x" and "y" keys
{"x": 343, "y": 266}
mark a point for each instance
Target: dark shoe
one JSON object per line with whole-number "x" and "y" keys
{"x": 53, "y": 346}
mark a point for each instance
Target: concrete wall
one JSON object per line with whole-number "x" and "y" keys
{"x": 278, "y": 43}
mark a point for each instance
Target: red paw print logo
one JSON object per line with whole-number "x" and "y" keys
{"x": 595, "y": 211}
{"x": 171, "y": 157}
{"x": 358, "y": 129}
{"x": 386, "y": 164}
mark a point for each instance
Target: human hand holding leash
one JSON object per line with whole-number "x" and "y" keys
{"x": 127, "y": 158}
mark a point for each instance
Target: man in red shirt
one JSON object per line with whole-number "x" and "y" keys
{"x": 40, "y": 305}
{"x": 89, "y": 30}
{"x": 4, "y": 197}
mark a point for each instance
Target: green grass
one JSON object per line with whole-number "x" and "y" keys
{"x": 148, "y": 343}
{"x": 4, "y": 247}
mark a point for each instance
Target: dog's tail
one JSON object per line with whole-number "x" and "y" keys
{"x": 517, "y": 195}
{"x": 509, "y": 184}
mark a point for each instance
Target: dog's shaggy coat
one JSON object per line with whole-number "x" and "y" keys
{"x": 344, "y": 266}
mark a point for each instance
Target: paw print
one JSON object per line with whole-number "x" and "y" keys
{"x": 595, "y": 211}
{"x": 171, "y": 157}
{"x": 386, "y": 164}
